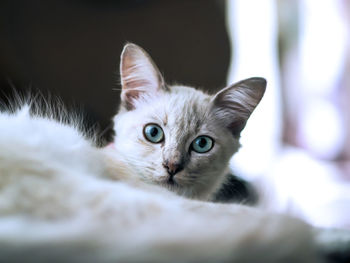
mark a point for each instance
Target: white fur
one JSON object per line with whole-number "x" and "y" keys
{"x": 57, "y": 204}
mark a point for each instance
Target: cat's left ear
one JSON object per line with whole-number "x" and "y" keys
{"x": 140, "y": 76}
{"x": 233, "y": 105}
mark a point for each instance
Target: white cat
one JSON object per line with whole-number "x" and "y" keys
{"x": 58, "y": 204}
{"x": 176, "y": 136}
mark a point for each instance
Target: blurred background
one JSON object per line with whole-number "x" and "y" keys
{"x": 72, "y": 48}
{"x": 296, "y": 146}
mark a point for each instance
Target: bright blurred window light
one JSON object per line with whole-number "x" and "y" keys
{"x": 301, "y": 174}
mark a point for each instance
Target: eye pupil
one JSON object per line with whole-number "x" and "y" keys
{"x": 202, "y": 142}
{"x": 154, "y": 131}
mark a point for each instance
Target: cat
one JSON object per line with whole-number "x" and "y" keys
{"x": 176, "y": 136}
{"x": 57, "y": 204}
{"x": 62, "y": 199}
{"x": 182, "y": 139}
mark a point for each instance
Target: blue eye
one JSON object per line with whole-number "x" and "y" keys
{"x": 202, "y": 144}
{"x": 153, "y": 133}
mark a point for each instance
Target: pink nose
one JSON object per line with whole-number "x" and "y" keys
{"x": 172, "y": 167}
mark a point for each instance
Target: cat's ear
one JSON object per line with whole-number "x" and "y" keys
{"x": 234, "y": 104}
{"x": 140, "y": 77}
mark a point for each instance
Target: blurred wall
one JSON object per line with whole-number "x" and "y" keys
{"x": 72, "y": 48}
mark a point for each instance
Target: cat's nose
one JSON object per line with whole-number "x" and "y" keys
{"x": 172, "y": 167}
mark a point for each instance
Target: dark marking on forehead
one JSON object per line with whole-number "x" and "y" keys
{"x": 192, "y": 118}
{"x": 197, "y": 111}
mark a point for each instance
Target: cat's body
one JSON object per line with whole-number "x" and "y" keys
{"x": 57, "y": 204}
{"x": 64, "y": 200}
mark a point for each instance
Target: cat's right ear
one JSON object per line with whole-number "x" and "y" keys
{"x": 140, "y": 77}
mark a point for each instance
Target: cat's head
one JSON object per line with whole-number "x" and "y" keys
{"x": 177, "y": 136}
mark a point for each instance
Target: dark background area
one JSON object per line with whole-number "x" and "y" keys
{"x": 71, "y": 49}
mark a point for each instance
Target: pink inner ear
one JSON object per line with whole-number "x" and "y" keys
{"x": 136, "y": 84}
{"x": 139, "y": 76}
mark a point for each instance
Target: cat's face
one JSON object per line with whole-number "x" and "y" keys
{"x": 177, "y": 136}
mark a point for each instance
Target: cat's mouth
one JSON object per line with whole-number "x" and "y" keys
{"x": 170, "y": 182}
